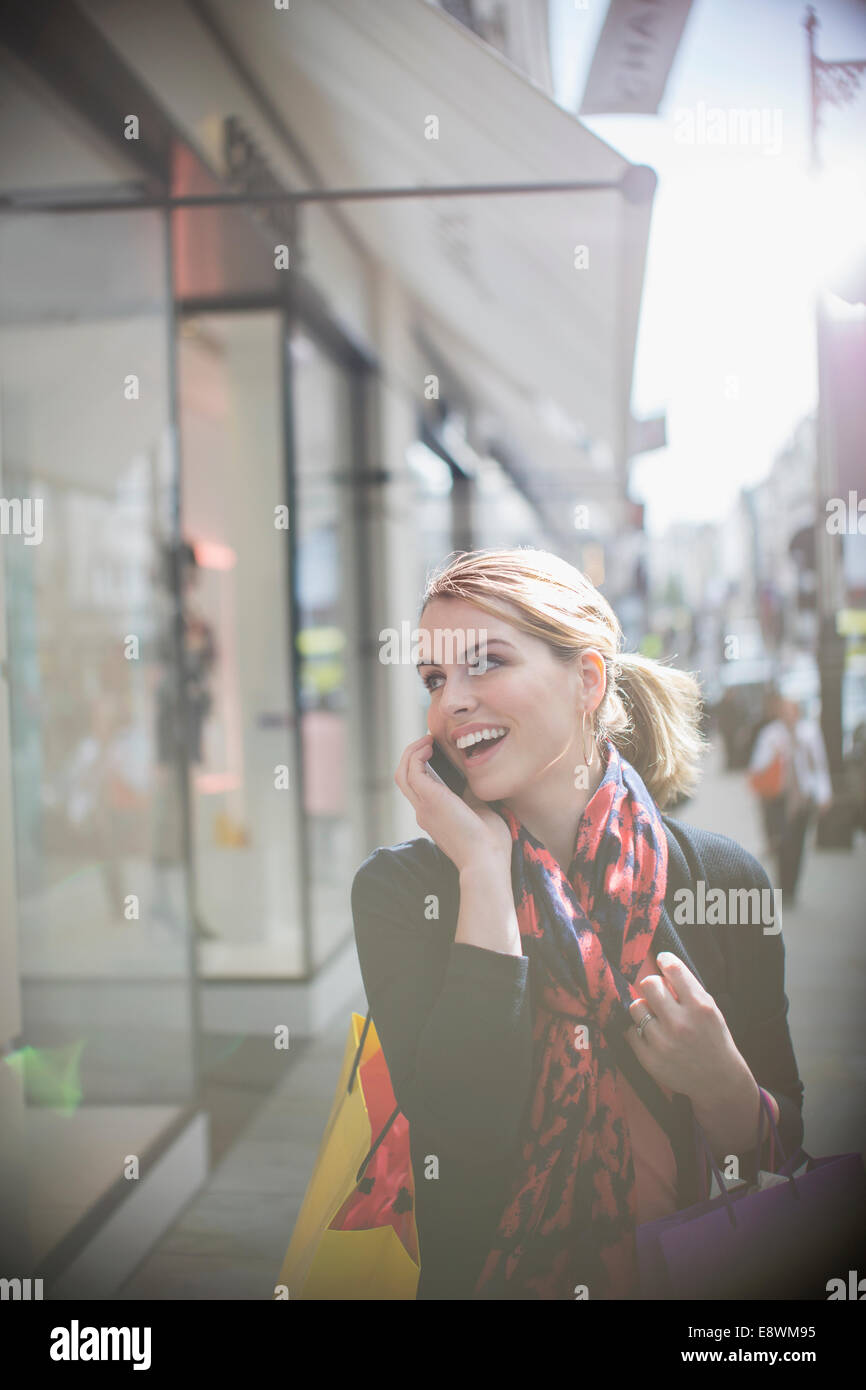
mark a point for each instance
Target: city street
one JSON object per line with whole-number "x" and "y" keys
{"x": 332, "y": 337}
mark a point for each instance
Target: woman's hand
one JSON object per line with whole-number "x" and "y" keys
{"x": 463, "y": 827}
{"x": 687, "y": 1045}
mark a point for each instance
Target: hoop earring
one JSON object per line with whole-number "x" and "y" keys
{"x": 587, "y": 758}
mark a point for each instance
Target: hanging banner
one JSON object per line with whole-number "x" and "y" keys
{"x": 842, "y": 345}
{"x": 635, "y": 51}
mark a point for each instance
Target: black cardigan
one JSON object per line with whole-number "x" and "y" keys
{"x": 455, "y": 1024}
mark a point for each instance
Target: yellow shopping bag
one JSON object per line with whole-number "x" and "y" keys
{"x": 377, "y": 1258}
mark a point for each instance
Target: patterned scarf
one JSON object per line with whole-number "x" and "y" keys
{"x": 570, "y": 1218}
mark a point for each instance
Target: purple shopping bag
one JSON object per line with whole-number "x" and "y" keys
{"x": 782, "y": 1242}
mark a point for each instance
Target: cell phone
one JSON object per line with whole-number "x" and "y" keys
{"x": 451, "y": 775}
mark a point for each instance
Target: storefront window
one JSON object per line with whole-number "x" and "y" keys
{"x": 247, "y": 869}
{"x": 432, "y": 510}
{"x": 432, "y": 507}
{"x": 327, "y": 599}
{"x": 103, "y": 947}
{"x": 502, "y": 515}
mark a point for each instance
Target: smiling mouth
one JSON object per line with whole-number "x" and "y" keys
{"x": 480, "y": 752}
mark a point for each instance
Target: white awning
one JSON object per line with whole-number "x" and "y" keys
{"x": 542, "y": 333}
{"x": 360, "y": 80}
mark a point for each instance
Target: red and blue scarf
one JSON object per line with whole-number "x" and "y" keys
{"x": 569, "y": 1222}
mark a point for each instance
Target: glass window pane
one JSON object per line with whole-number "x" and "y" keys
{"x": 327, "y": 672}
{"x": 244, "y": 780}
{"x": 103, "y": 936}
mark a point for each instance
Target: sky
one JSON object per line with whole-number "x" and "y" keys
{"x": 740, "y": 239}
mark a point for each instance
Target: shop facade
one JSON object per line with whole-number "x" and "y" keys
{"x": 221, "y": 413}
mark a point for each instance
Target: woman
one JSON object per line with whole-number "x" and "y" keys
{"x": 771, "y": 807}
{"x": 547, "y": 1029}
{"x": 806, "y": 788}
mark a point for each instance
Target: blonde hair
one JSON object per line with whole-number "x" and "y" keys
{"x": 651, "y": 712}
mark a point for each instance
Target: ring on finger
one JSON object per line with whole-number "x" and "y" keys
{"x": 647, "y": 1018}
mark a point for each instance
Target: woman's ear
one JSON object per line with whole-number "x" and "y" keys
{"x": 594, "y": 677}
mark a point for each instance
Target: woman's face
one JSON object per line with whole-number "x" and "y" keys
{"x": 521, "y": 688}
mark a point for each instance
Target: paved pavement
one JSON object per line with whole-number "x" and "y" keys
{"x": 825, "y": 963}
{"x": 231, "y": 1240}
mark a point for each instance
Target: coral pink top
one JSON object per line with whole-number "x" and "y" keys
{"x": 655, "y": 1167}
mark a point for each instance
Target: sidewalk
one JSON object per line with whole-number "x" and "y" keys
{"x": 825, "y": 962}
{"x": 231, "y": 1241}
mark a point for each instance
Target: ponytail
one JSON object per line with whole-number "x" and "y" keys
{"x": 652, "y": 713}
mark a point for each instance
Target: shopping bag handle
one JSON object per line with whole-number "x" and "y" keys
{"x": 358, "y": 1051}
{"x": 353, "y": 1073}
{"x": 723, "y": 1191}
{"x": 384, "y": 1130}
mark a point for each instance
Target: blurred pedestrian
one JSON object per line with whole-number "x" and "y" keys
{"x": 767, "y": 783}
{"x": 789, "y": 762}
